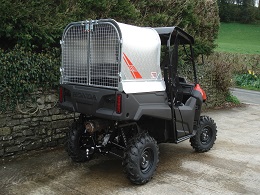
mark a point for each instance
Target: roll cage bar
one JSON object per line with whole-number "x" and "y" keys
{"x": 168, "y": 35}
{"x": 175, "y": 36}
{"x": 172, "y": 37}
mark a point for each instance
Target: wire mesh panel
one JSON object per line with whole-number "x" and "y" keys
{"x": 91, "y": 57}
{"x": 74, "y": 55}
{"x": 104, "y": 56}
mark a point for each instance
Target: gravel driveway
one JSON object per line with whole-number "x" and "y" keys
{"x": 231, "y": 167}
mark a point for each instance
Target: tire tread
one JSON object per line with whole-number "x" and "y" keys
{"x": 195, "y": 140}
{"x": 130, "y": 162}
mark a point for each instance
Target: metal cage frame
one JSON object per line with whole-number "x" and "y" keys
{"x": 91, "y": 54}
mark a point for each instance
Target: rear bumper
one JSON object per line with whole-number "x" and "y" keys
{"x": 89, "y": 100}
{"x": 102, "y": 103}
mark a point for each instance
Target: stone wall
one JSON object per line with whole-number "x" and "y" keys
{"x": 37, "y": 126}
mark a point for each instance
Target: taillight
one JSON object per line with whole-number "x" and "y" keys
{"x": 61, "y": 95}
{"x": 118, "y": 103}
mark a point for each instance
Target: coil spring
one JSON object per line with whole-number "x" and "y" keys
{"x": 124, "y": 137}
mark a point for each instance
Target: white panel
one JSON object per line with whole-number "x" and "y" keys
{"x": 143, "y": 86}
{"x": 142, "y": 47}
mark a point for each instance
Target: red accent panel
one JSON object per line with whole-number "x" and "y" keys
{"x": 131, "y": 67}
{"x": 198, "y": 88}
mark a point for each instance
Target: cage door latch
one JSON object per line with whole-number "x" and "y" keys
{"x": 90, "y": 24}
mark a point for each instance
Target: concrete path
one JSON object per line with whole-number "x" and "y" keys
{"x": 246, "y": 96}
{"x": 231, "y": 167}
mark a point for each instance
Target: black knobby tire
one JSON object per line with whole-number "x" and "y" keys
{"x": 141, "y": 158}
{"x": 78, "y": 142}
{"x": 205, "y": 136}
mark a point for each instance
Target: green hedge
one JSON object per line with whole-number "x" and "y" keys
{"x": 23, "y": 72}
{"x": 218, "y": 71}
{"x": 215, "y": 78}
{"x": 214, "y": 75}
{"x": 36, "y": 26}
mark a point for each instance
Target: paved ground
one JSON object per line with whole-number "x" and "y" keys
{"x": 231, "y": 167}
{"x": 247, "y": 96}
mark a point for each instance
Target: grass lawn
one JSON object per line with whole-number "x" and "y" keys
{"x": 239, "y": 38}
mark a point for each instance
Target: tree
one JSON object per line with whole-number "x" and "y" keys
{"x": 248, "y": 11}
{"x": 237, "y": 11}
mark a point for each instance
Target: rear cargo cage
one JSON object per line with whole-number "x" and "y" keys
{"x": 90, "y": 55}
{"x": 108, "y": 54}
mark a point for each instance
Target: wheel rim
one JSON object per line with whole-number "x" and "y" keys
{"x": 206, "y": 135}
{"x": 146, "y": 160}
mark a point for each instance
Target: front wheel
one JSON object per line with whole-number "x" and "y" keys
{"x": 205, "y": 136}
{"x": 141, "y": 158}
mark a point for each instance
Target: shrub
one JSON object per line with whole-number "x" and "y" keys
{"x": 199, "y": 18}
{"x": 232, "y": 99}
{"x": 38, "y": 25}
{"x": 239, "y": 63}
{"x": 215, "y": 78}
{"x": 226, "y": 66}
{"x": 248, "y": 80}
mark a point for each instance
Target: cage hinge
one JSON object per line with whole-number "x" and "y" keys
{"x": 87, "y": 25}
{"x": 90, "y": 24}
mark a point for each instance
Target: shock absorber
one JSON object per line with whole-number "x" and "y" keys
{"x": 123, "y": 136}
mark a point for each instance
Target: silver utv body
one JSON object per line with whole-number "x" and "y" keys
{"x": 127, "y": 99}
{"x": 111, "y": 71}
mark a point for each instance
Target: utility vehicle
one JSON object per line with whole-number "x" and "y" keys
{"x": 129, "y": 101}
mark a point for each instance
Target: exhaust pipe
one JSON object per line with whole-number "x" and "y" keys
{"x": 96, "y": 125}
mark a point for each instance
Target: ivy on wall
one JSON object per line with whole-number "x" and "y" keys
{"x": 24, "y": 72}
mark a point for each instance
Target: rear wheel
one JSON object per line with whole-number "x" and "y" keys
{"x": 141, "y": 158}
{"x": 80, "y": 143}
{"x": 205, "y": 136}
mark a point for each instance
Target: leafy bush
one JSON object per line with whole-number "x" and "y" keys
{"x": 239, "y": 63}
{"x": 35, "y": 25}
{"x": 38, "y": 25}
{"x": 24, "y": 72}
{"x": 199, "y": 18}
{"x": 215, "y": 76}
{"x": 232, "y": 99}
{"x": 248, "y": 80}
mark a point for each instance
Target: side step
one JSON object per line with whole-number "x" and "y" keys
{"x": 181, "y": 139}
